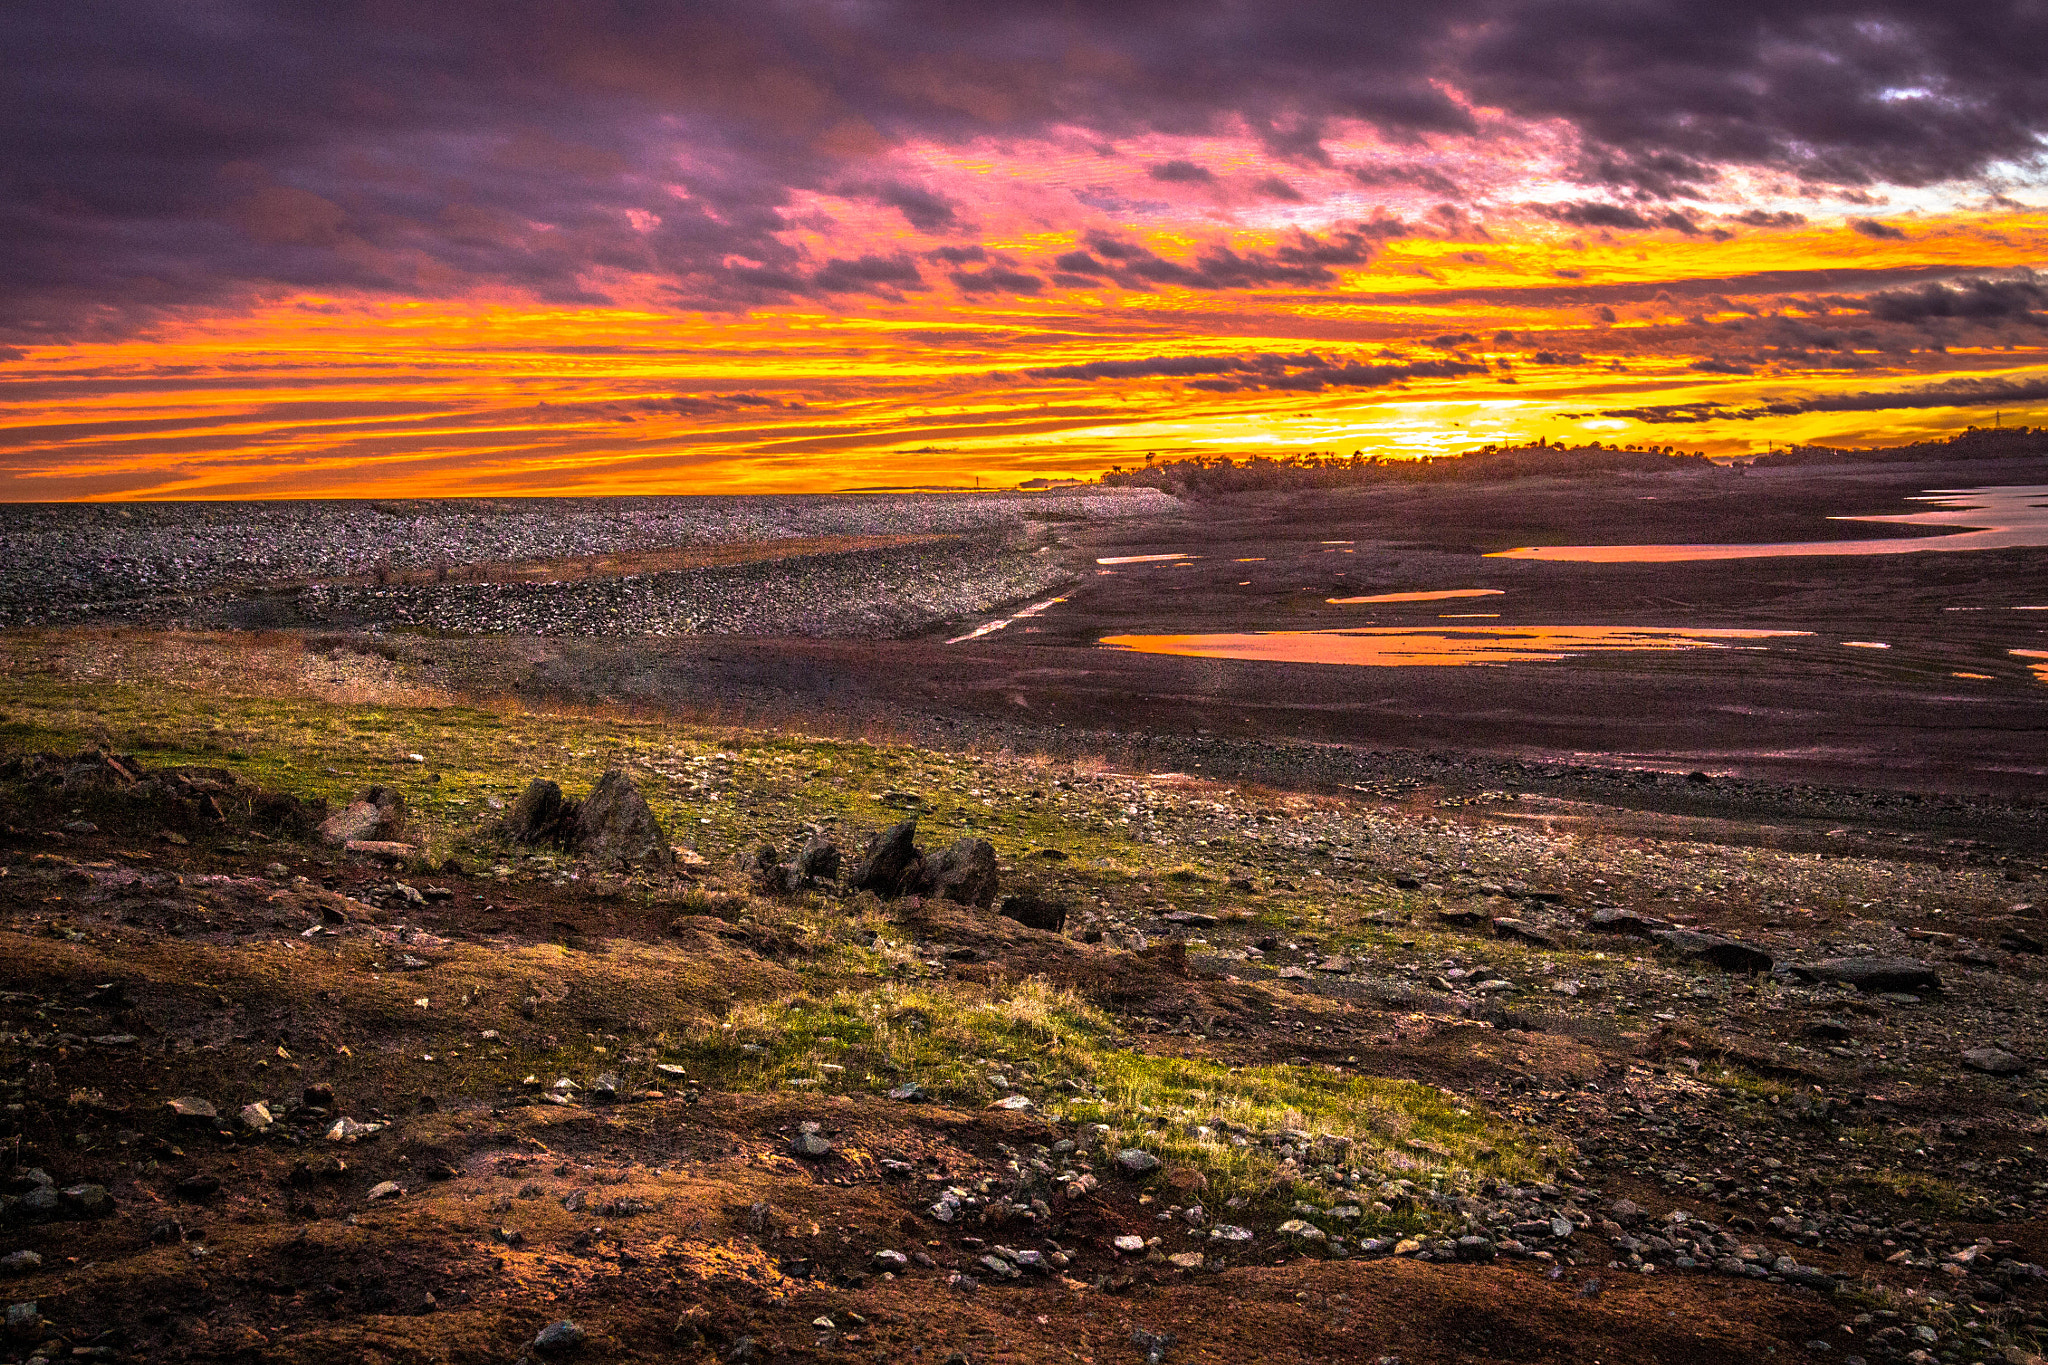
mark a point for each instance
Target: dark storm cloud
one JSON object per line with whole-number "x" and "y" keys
{"x": 866, "y": 275}
{"x": 1949, "y": 393}
{"x": 1307, "y": 372}
{"x": 1300, "y": 260}
{"x": 1418, "y": 176}
{"x": 1182, "y": 173}
{"x": 1871, "y": 227}
{"x": 1595, "y": 214}
{"x": 922, "y": 209}
{"x": 996, "y": 280}
{"x": 160, "y": 155}
{"x": 1971, "y": 299}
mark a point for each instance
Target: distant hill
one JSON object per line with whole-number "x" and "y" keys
{"x": 1975, "y": 443}
{"x": 1261, "y": 473}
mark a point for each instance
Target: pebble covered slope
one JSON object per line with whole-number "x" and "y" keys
{"x": 223, "y": 563}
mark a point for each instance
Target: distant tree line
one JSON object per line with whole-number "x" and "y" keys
{"x": 1973, "y": 443}
{"x": 1199, "y": 477}
{"x": 1260, "y": 473}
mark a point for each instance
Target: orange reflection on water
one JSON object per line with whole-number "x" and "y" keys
{"x": 1398, "y": 647}
{"x": 2040, "y": 669}
{"x": 1444, "y": 596}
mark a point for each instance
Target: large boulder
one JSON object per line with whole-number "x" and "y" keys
{"x": 1900, "y": 975}
{"x": 965, "y": 873}
{"x": 890, "y": 864}
{"x": 541, "y": 815}
{"x": 377, "y": 814}
{"x": 1713, "y": 950}
{"x": 616, "y": 831}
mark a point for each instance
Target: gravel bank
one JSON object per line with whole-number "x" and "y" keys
{"x": 221, "y": 563}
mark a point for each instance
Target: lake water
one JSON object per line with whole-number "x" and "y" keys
{"x": 1396, "y": 647}
{"x": 2002, "y": 518}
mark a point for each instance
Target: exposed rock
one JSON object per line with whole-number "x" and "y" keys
{"x": 1993, "y": 1061}
{"x": 87, "y": 1201}
{"x": 890, "y": 863}
{"x": 1626, "y": 922}
{"x": 1475, "y": 1248}
{"x": 379, "y": 813}
{"x": 191, "y": 1109}
{"x": 616, "y": 830}
{"x": 818, "y": 860}
{"x": 1726, "y": 953}
{"x": 1521, "y": 931}
{"x": 811, "y": 1146}
{"x": 38, "y": 1205}
{"x": 541, "y": 815}
{"x": 1034, "y": 911}
{"x": 1135, "y": 1162}
{"x": 389, "y": 849}
{"x": 197, "y": 1188}
{"x": 559, "y": 1338}
{"x": 1903, "y": 975}
{"x": 23, "y": 1321}
{"x": 965, "y": 873}
{"x": 1464, "y": 918}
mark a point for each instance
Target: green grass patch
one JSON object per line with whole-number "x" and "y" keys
{"x": 1227, "y": 1123}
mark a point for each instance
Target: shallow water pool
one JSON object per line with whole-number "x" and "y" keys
{"x": 1401, "y": 646}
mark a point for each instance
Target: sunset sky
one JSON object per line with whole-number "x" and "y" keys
{"x": 369, "y": 248}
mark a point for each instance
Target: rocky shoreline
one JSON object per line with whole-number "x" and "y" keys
{"x": 261, "y": 564}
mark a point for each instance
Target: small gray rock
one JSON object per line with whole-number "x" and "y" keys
{"x": 23, "y": 1321}
{"x": 1993, "y": 1061}
{"x": 1626, "y": 922}
{"x": 1714, "y": 950}
{"x": 20, "y": 1262}
{"x": 1475, "y": 1249}
{"x": 39, "y": 1205}
{"x": 1899, "y": 975}
{"x": 87, "y": 1201}
{"x": 559, "y": 1338}
{"x": 192, "y": 1109}
{"x": 810, "y": 1146}
{"x": 1134, "y": 1162}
